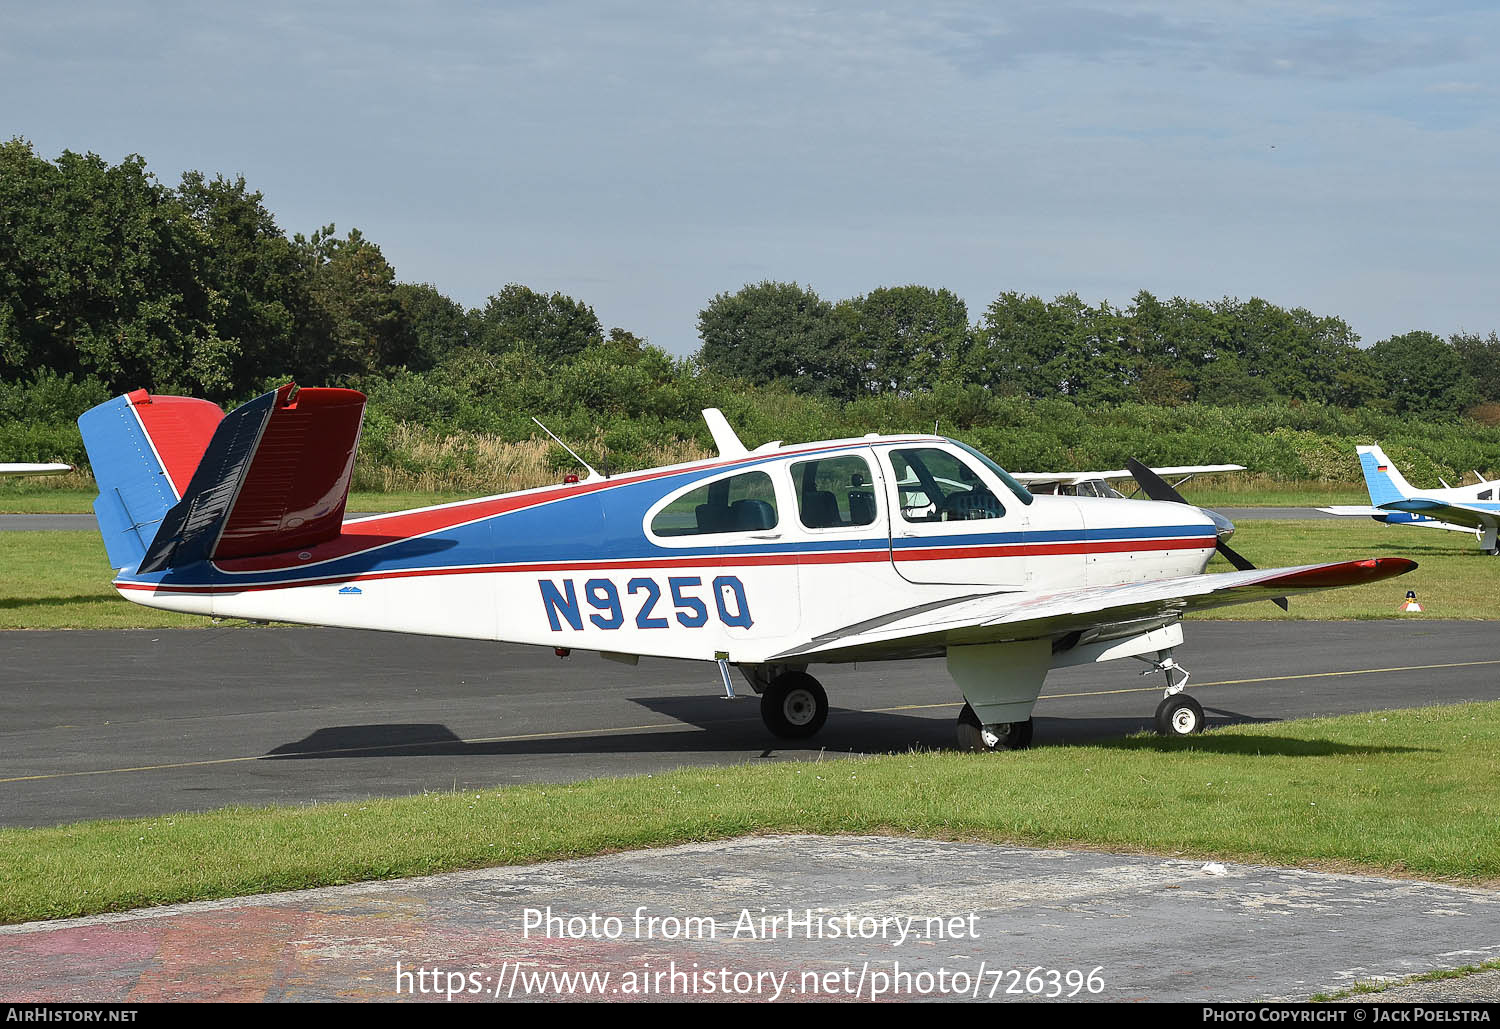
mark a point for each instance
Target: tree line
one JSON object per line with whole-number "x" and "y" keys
{"x": 1230, "y": 352}
{"x": 110, "y": 277}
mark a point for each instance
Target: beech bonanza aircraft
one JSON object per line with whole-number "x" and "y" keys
{"x": 769, "y": 560}
{"x": 1096, "y": 484}
{"x": 1473, "y": 509}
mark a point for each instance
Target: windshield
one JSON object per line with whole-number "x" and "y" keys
{"x": 1015, "y": 487}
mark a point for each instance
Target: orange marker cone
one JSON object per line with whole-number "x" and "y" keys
{"x": 1410, "y": 605}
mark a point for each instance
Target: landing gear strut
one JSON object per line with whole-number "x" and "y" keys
{"x": 982, "y": 739}
{"x": 1178, "y": 714}
{"x": 794, "y": 706}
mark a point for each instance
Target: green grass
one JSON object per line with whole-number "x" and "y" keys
{"x": 60, "y": 580}
{"x": 1409, "y": 793}
{"x": 1244, "y": 489}
{"x": 1426, "y": 977}
{"x": 1454, "y": 578}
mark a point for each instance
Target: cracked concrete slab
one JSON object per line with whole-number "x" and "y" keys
{"x": 978, "y": 919}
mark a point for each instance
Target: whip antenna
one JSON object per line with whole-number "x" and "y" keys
{"x": 593, "y": 475}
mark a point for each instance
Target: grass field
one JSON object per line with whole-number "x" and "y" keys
{"x": 60, "y": 580}
{"x": 1454, "y": 579}
{"x": 1410, "y": 793}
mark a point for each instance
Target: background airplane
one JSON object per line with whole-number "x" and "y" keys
{"x": 1473, "y": 509}
{"x": 1096, "y": 484}
{"x": 767, "y": 560}
{"x": 34, "y": 469}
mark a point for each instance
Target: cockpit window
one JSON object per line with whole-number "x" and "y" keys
{"x": 740, "y": 503}
{"x": 834, "y": 492}
{"x": 1015, "y": 487}
{"x": 936, "y": 486}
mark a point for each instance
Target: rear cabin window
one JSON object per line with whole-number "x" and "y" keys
{"x": 740, "y": 503}
{"x": 935, "y": 486}
{"x": 834, "y": 492}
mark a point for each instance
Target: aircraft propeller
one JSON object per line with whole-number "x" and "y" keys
{"x": 1158, "y": 488}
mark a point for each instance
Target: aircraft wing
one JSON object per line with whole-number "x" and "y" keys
{"x": 1073, "y": 478}
{"x": 1001, "y": 617}
{"x": 1473, "y": 516}
{"x": 1390, "y": 517}
{"x": 34, "y": 469}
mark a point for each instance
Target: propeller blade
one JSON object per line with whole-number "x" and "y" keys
{"x": 1243, "y": 564}
{"x": 1154, "y": 485}
{"x": 1158, "y": 488}
{"x": 1239, "y": 561}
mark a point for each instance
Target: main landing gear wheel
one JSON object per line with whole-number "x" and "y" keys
{"x": 983, "y": 739}
{"x": 794, "y": 706}
{"x": 1179, "y": 715}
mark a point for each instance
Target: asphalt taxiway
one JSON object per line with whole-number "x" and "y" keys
{"x": 782, "y": 918}
{"x": 141, "y": 722}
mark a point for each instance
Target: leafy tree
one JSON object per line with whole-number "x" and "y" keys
{"x": 355, "y": 324}
{"x": 1423, "y": 375}
{"x": 252, "y": 268}
{"x": 554, "y": 327}
{"x": 1480, "y": 357}
{"x": 439, "y": 325}
{"x": 1020, "y": 347}
{"x": 1226, "y": 382}
{"x": 99, "y": 274}
{"x": 778, "y": 330}
{"x": 901, "y": 337}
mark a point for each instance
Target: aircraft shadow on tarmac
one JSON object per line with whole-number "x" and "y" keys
{"x": 848, "y": 731}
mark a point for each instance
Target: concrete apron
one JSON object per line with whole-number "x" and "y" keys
{"x": 791, "y": 917}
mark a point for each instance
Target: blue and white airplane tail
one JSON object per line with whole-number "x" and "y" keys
{"x": 1474, "y": 508}
{"x": 1383, "y": 481}
{"x": 143, "y": 450}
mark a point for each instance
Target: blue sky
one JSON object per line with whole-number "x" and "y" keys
{"x": 1338, "y": 156}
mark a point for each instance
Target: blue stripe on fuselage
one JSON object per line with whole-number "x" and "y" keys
{"x": 605, "y": 526}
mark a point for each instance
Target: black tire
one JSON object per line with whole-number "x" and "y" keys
{"x": 1180, "y": 715}
{"x": 794, "y": 706}
{"x": 973, "y": 737}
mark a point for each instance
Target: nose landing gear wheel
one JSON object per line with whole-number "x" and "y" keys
{"x": 983, "y": 739}
{"x": 794, "y": 706}
{"x": 1179, "y": 715}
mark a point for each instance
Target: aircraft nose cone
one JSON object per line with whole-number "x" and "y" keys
{"x": 1223, "y": 527}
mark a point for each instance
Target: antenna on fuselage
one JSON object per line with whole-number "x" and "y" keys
{"x": 593, "y": 475}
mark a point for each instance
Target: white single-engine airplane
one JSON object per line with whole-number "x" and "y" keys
{"x": 769, "y": 560}
{"x": 1473, "y": 509}
{"x": 34, "y": 469}
{"x": 1097, "y": 484}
